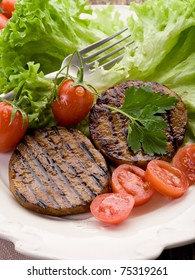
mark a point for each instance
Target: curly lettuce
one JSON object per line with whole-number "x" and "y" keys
{"x": 43, "y": 32}
{"x": 35, "y": 96}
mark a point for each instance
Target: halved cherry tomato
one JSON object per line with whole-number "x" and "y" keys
{"x": 184, "y": 160}
{"x": 166, "y": 179}
{"x": 73, "y": 103}
{"x": 3, "y": 21}
{"x": 112, "y": 208}
{"x": 130, "y": 179}
{"x": 11, "y": 132}
{"x": 8, "y": 6}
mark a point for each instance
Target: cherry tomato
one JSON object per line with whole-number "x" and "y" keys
{"x": 8, "y": 6}
{"x": 166, "y": 179}
{"x": 184, "y": 160}
{"x": 112, "y": 208}
{"x": 130, "y": 179}
{"x": 73, "y": 103}
{"x": 10, "y": 133}
{"x": 3, "y": 21}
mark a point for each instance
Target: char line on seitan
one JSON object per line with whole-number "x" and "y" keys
{"x": 57, "y": 171}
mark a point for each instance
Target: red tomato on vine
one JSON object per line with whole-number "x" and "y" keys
{"x": 73, "y": 103}
{"x": 73, "y": 98}
{"x": 13, "y": 125}
{"x": 7, "y": 7}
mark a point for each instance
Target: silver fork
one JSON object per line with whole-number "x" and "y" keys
{"x": 90, "y": 60}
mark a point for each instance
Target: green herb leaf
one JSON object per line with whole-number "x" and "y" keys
{"x": 147, "y": 128}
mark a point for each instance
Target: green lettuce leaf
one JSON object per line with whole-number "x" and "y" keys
{"x": 35, "y": 96}
{"x": 44, "y": 32}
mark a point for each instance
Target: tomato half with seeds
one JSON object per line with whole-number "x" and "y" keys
{"x": 166, "y": 179}
{"x": 73, "y": 103}
{"x": 112, "y": 208}
{"x": 184, "y": 160}
{"x": 3, "y": 21}
{"x": 130, "y": 179}
{"x": 11, "y": 132}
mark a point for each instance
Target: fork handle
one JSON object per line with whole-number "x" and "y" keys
{"x": 7, "y": 96}
{"x": 52, "y": 75}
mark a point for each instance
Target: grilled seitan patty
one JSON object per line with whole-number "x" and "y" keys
{"x": 109, "y": 131}
{"x": 56, "y": 171}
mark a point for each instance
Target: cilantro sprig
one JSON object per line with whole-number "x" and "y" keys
{"x": 147, "y": 128}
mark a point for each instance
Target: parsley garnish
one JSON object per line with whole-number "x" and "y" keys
{"x": 147, "y": 128}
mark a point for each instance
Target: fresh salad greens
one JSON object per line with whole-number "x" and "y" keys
{"x": 41, "y": 33}
{"x": 35, "y": 96}
{"x": 146, "y": 128}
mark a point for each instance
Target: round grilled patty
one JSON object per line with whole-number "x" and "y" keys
{"x": 57, "y": 171}
{"x": 109, "y": 131}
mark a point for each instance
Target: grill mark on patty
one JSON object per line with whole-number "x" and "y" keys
{"x": 88, "y": 158}
{"x": 168, "y": 116}
{"x": 61, "y": 174}
{"x": 21, "y": 196}
{"x": 113, "y": 143}
{"x": 67, "y": 190}
{"x": 44, "y": 177}
{"x": 114, "y": 120}
{"x": 82, "y": 182}
{"x": 32, "y": 177}
{"x": 89, "y": 187}
{"x": 91, "y": 156}
{"x": 119, "y": 123}
{"x": 70, "y": 170}
{"x": 38, "y": 202}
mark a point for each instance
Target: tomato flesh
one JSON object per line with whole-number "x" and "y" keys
{"x": 10, "y": 133}
{"x": 73, "y": 103}
{"x": 8, "y": 6}
{"x": 3, "y": 21}
{"x": 112, "y": 208}
{"x": 166, "y": 179}
{"x": 130, "y": 179}
{"x": 184, "y": 160}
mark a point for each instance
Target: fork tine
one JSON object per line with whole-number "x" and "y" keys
{"x": 92, "y": 64}
{"x": 85, "y": 59}
{"x": 101, "y": 42}
{"x": 113, "y": 61}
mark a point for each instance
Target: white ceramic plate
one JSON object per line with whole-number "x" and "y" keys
{"x": 159, "y": 224}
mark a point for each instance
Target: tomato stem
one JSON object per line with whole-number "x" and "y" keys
{"x": 78, "y": 80}
{"x": 15, "y": 106}
{"x": 81, "y": 70}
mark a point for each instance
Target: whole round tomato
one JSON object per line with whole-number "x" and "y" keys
{"x": 8, "y": 6}
{"x": 11, "y": 131}
{"x": 184, "y": 160}
{"x": 3, "y": 21}
{"x": 112, "y": 208}
{"x": 166, "y": 179}
{"x": 130, "y": 179}
{"x": 73, "y": 103}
